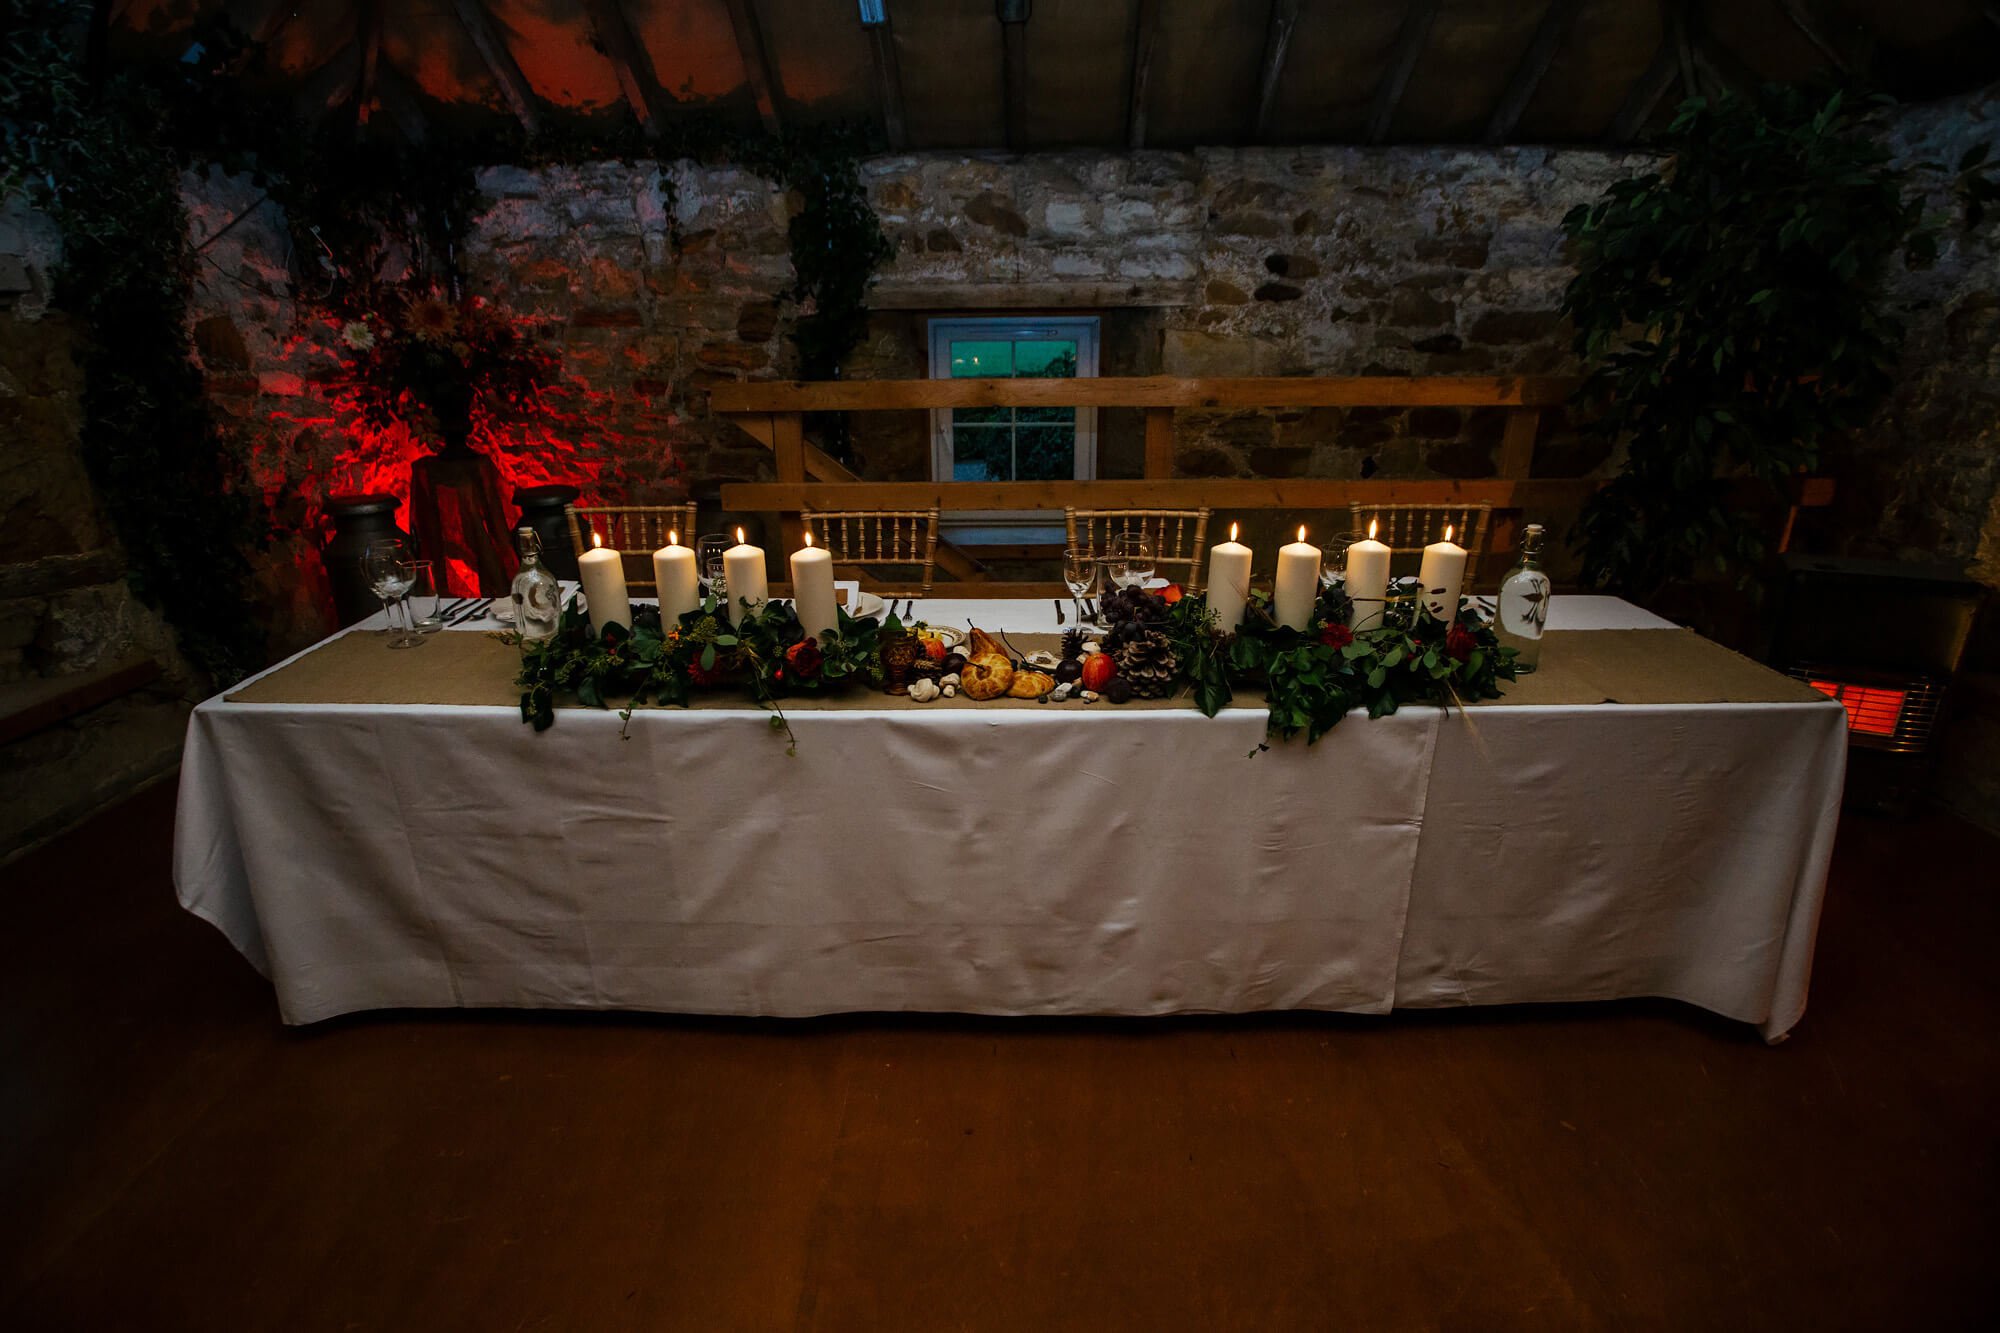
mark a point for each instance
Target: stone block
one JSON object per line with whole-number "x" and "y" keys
{"x": 1517, "y": 326}
{"x": 1065, "y": 217}
{"x": 1278, "y": 291}
{"x": 989, "y": 211}
{"x": 1416, "y": 307}
{"x": 1292, "y": 266}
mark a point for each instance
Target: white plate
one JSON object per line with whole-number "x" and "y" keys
{"x": 867, "y": 604}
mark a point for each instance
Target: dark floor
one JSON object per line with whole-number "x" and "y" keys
{"x": 171, "y": 1157}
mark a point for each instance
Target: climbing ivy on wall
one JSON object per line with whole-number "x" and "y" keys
{"x": 370, "y": 215}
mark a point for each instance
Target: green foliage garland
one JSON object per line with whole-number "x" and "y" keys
{"x": 1731, "y": 309}
{"x": 1311, "y": 678}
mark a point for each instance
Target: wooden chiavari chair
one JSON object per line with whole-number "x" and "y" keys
{"x": 1407, "y": 529}
{"x": 635, "y": 532}
{"x": 877, "y": 537}
{"x": 1177, "y": 536}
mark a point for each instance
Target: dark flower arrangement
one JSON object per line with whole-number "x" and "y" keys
{"x": 417, "y": 359}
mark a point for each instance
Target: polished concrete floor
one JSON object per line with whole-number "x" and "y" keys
{"x": 171, "y": 1157}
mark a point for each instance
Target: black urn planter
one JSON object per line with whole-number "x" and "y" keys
{"x": 541, "y": 508}
{"x": 358, "y": 519}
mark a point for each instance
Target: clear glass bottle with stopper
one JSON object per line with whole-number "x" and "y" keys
{"x": 537, "y": 595}
{"x": 1524, "y": 603}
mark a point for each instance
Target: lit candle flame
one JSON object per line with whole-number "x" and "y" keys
{"x": 1232, "y": 532}
{"x": 739, "y": 536}
{"x": 1302, "y": 532}
{"x": 809, "y": 537}
{"x": 595, "y": 540}
{"x": 1371, "y": 529}
{"x": 673, "y": 537}
{"x": 1447, "y": 532}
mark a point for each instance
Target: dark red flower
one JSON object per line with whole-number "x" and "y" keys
{"x": 1458, "y": 641}
{"x": 805, "y": 658}
{"x": 1335, "y": 635}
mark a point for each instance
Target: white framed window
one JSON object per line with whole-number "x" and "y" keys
{"x": 1013, "y": 443}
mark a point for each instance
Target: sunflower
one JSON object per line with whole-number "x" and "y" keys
{"x": 430, "y": 319}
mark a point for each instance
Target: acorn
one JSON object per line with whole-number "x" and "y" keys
{"x": 1118, "y": 690}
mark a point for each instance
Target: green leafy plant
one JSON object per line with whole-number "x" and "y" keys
{"x": 1730, "y": 309}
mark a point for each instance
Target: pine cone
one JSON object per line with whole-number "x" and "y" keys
{"x": 1072, "y": 644}
{"x": 1146, "y": 659}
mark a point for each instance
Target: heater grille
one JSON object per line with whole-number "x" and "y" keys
{"x": 1884, "y": 711}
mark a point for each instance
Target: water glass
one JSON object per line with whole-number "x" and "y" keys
{"x": 1131, "y": 560}
{"x": 1080, "y": 574}
{"x": 392, "y": 570}
{"x": 424, "y": 601}
{"x": 709, "y": 552}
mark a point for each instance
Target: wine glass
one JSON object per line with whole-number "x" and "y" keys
{"x": 1131, "y": 560}
{"x": 1080, "y": 574}
{"x": 709, "y": 551}
{"x": 1333, "y": 558}
{"x": 391, "y": 572}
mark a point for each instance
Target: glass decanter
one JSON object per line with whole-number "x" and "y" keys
{"x": 537, "y": 595}
{"x": 1524, "y": 603}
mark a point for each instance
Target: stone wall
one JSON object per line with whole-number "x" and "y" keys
{"x": 66, "y": 611}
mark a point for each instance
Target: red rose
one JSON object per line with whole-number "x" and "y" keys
{"x": 1335, "y": 635}
{"x": 1458, "y": 641}
{"x": 805, "y": 658}
{"x": 696, "y": 676}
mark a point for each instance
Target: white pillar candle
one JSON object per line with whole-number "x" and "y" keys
{"x": 1297, "y": 588}
{"x": 602, "y": 571}
{"x": 678, "y": 580}
{"x": 1228, "y": 582}
{"x": 812, "y": 589}
{"x": 1442, "y": 572}
{"x": 1368, "y": 581}
{"x": 743, "y": 571}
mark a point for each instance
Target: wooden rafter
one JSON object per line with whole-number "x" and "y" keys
{"x": 756, "y": 63}
{"x": 1145, "y": 36}
{"x": 1541, "y": 53}
{"x": 1652, "y": 85}
{"x": 367, "y": 32}
{"x": 1816, "y": 26}
{"x": 629, "y": 59}
{"x": 1013, "y": 15}
{"x": 1277, "y": 42}
{"x": 499, "y": 62}
{"x": 1410, "y": 39}
{"x": 888, "y": 81}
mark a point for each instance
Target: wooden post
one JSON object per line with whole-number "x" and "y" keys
{"x": 1159, "y": 443}
{"x": 788, "y": 443}
{"x": 1517, "y": 446}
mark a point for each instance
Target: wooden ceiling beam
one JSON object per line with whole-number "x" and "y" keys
{"x": 1556, "y": 22}
{"x": 1817, "y": 27}
{"x": 1277, "y": 42}
{"x": 367, "y": 32}
{"x": 1013, "y": 16}
{"x": 629, "y": 59}
{"x": 499, "y": 62}
{"x": 1410, "y": 39}
{"x": 888, "y": 80}
{"x": 1644, "y": 95}
{"x": 756, "y": 63}
{"x": 1145, "y": 36}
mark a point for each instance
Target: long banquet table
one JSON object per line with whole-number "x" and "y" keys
{"x": 1028, "y": 860}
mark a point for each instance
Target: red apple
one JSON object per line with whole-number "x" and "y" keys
{"x": 934, "y": 649}
{"x": 1098, "y": 669}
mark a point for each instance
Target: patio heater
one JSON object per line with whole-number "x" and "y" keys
{"x": 1890, "y": 671}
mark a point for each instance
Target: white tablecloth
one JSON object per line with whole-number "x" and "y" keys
{"x": 1016, "y": 861}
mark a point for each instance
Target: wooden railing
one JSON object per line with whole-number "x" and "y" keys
{"x": 773, "y": 412}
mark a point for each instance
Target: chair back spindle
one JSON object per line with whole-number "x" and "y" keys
{"x": 878, "y": 537}
{"x": 1407, "y": 529}
{"x": 1177, "y": 536}
{"x": 635, "y": 532}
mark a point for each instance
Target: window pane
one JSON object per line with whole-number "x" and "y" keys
{"x": 974, "y": 360}
{"x": 1045, "y": 416}
{"x": 982, "y": 416}
{"x": 1045, "y": 360}
{"x": 1044, "y": 453}
{"x": 982, "y": 453}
